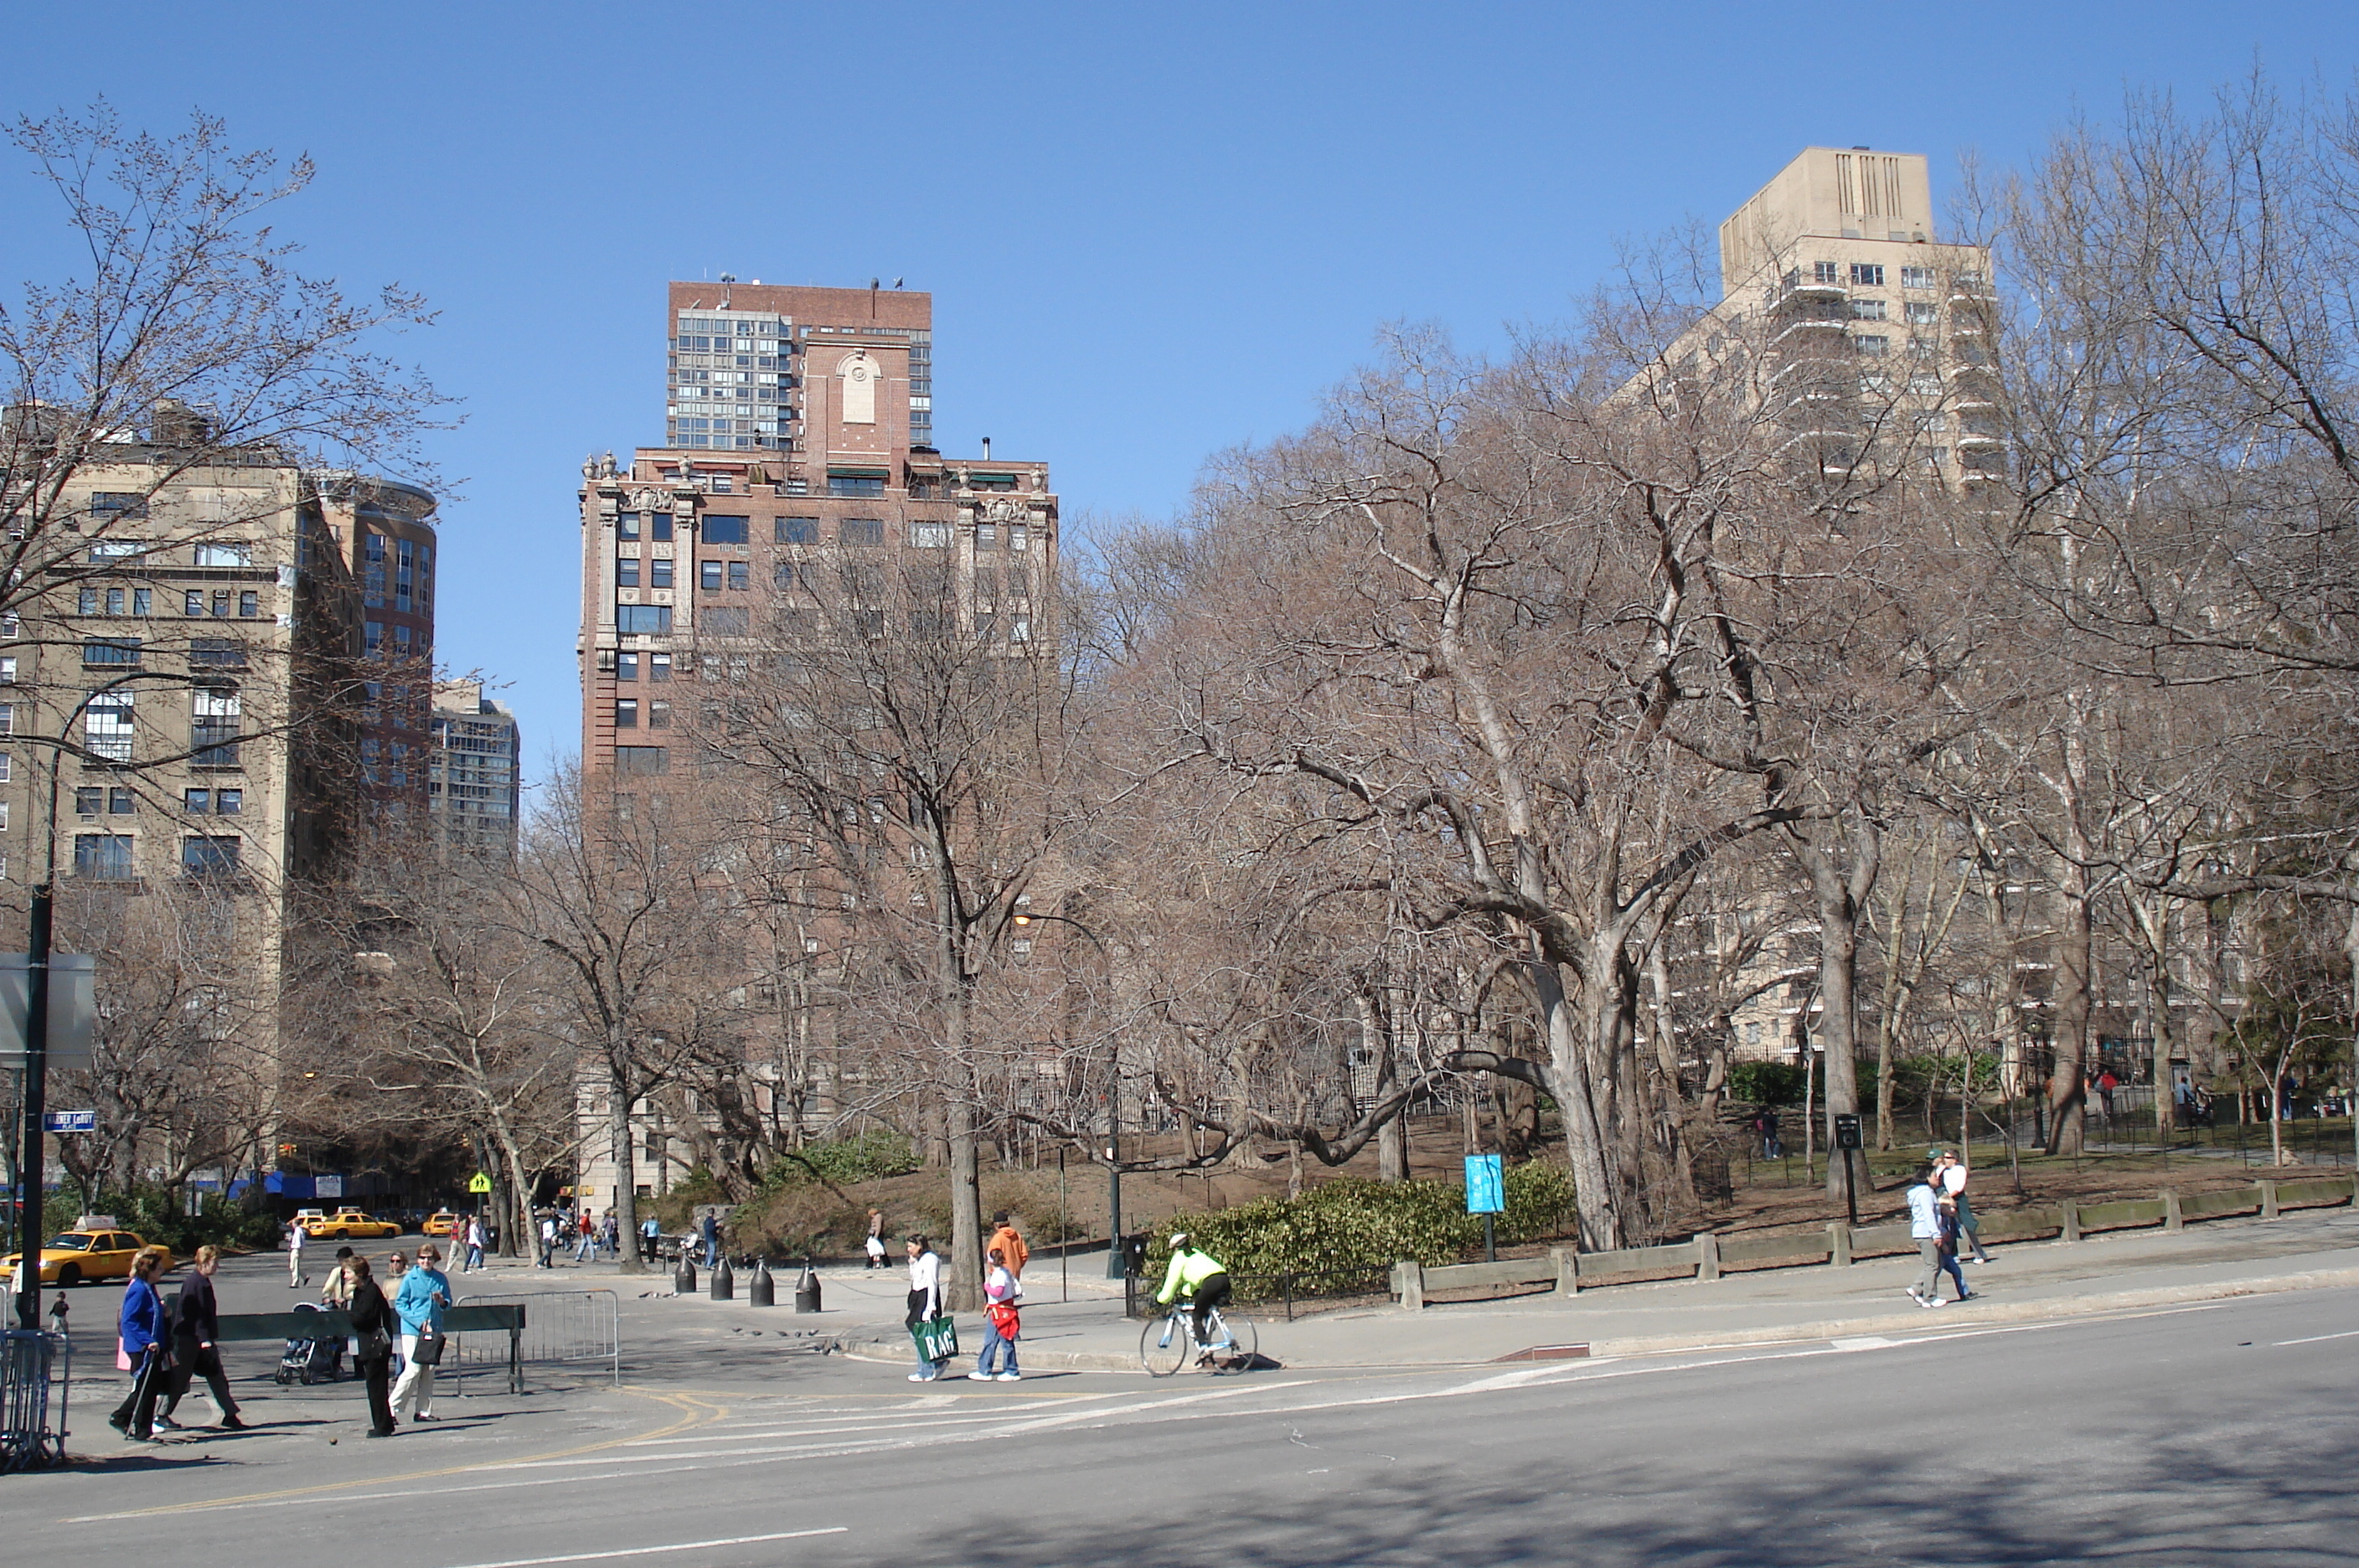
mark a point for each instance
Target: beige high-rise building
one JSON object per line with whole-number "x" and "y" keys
{"x": 475, "y": 788}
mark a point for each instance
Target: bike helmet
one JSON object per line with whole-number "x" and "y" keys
{"x": 1179, "y": 1241}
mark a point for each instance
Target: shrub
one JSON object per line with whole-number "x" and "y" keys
{"x": 870, "y": 1157}
{"x": 1355, "y": 1225}
{"x": 796, "y": 1222}
{"x": 1766, "y": 1083}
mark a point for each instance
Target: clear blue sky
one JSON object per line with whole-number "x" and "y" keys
{"x": 1151, "y": 234}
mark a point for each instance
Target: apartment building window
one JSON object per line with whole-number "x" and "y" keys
{"x": 8, "y": 767}
{"x": 660, "y": 574}
{"x": 1868, "y": 275}
{"x": 659, "y": 715}
{"x": 1019, "y": 628}
{"x": 86, "y": 603}
{"x": 659, "y": 525}
{"x": 658, "y": 667}
{"x": 104, "y": 653}
{"x": 627, "y": 712}
{"x": 118, "y": 504}
{"x": 214, "y": 802}
{"x": 986, "y": 536}
{"x": 231, "y": 554}
{"x": 627, "y": 525}
{"x": 627, "y": 666}
{"x": 642, "y": 620}
{"x": 1922, "y": 384}
{"x": 1872, "y": 347}
{"x": 1916, "y": 278}
{"x": 90, "y": 801}
{"x": 103, "y": 857}
{"x": 856, "y": 486}
{"x": 861, "y": 531}
{"x": 725, "y": 530}
{"x": 192, "y": 602}
{"x": 709, "y": 576}
{"x": 741, "y": 576}
{"x": 1867, "y": 309}
{"x": 1924, "y": 313}
{"x": 213, "y": 727}
{"x": 8, "y": 671}
{"x": 626, "y": 571}
{"x": 9, "y": 710}
{"x": 249, "y": 605}
{"x": 642, "y": 759}
{"x": 795, "y": 530}
{"x": 210, "y": 856}
{"x": 931, "y": 536}
{"x": 731, "y": 620}
{"x": 1019, "y": 536}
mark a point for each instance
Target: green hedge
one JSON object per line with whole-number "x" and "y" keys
{"x": 1352, "y": 1224}
{"x": 872, "y": 1156}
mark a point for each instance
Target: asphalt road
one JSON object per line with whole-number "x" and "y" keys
{"x": 2210, "y": 1433}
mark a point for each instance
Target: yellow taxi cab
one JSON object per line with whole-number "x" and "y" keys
{"x": 442, "y": 1223}
{"x": 83, "y": 1258}
{"x": 346, "y": 1225}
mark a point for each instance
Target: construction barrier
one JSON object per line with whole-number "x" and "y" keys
{"x": 582, "y": 1329}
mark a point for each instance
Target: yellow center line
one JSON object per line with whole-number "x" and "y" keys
{"x": 699, "y": 1412}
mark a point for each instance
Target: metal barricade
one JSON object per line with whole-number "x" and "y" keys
{"x": 562, "y": 1328}
{"x": 35, "y": 1370}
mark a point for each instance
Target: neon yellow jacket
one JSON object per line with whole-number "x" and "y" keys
{"x": 1188, "y": 1271}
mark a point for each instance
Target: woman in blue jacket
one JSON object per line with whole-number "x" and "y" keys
{"x": 142, "y": 1325}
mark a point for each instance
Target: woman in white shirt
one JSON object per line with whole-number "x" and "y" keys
{"x": 925, "y": 1301}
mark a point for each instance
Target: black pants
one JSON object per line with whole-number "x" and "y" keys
{"x": 1213, "y": 1292}
{"x": 377, "y": 1371}
{"x": 205, "y": 1363}
{"x": 138, "y": 1411}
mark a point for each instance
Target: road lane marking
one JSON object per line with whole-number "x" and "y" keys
{"x": 2315, "y": 1338}
{"x": 699, "y": 1413}
{"x": 651, "y": 1551}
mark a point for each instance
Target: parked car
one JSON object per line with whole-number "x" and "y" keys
{"x": 443, "y": 1222}
{"x": 83, "y": 1258}
{"x": 349, "y": 1225}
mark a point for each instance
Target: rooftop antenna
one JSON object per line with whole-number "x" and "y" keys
{"x": 986, "y": 448}
{"x": 896, "y": 283}
{"x": 874, "y": 284}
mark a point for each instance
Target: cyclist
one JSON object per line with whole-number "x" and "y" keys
{"x": 1202, "y": 1279}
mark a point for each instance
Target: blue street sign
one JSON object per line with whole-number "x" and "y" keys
{"x": 1486, "y": 1184}
{"x": 69, "y": 1121}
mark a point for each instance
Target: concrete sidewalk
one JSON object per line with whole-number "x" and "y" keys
{"x": 2024, "y": 1282}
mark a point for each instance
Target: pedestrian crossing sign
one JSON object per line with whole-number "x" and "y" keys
{"x": 479, "y": 1182}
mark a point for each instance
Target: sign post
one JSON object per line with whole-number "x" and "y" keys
{"x": 1847, "y": 1140}
{"x": 1486, "y": 1194}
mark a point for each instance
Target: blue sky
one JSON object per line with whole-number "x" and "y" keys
{"x": 1151, "y": 234}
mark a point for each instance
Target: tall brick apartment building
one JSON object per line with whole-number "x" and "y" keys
{"x": 800, "y": 461}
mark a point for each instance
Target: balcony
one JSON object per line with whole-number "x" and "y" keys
{"x": 1814, "y": 333}
{"x": 1797, "y": 284}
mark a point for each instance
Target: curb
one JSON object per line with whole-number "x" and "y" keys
{"x": 874, "y": 1346}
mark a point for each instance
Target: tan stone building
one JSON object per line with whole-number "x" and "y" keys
{"x": 475, "y": 777}
{"x": 801, "y": 466}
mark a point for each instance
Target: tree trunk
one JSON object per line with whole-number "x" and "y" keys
{"x": 1838, "y": 895}
{"x": 2067, "y": 1088}
{"x": 1568, "y": 1074}
{"x": 962, "y": 1292}
{"x": 626, "y": 1184}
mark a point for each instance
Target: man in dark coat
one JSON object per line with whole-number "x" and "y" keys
{"x": 196, "y": 1323}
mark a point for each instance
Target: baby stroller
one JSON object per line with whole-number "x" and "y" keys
{"x": 311, "y": 1360}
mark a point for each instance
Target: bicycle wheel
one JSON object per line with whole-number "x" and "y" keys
{"x": 1163, "y": 1345}
{"x": 1243, "y": 1344}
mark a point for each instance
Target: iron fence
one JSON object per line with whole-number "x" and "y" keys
{"x": 35, "y": 1371}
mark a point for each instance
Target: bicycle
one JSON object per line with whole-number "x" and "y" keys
{"x": 1165, "y": 1347}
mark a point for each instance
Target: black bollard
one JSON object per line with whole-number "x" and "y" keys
{"x": 807, "y": 1289}
{"x": 723, "y": 1288}
{"x": 762, "y": 1293}
{"x": 683, "y": 1278}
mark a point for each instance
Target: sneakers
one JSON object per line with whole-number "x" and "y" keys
{"x": 923, "y": 1377}
{"x": 1912, "y": 1295}
{"x": 1971, "y": 1296}
{"x": 1010, "y": 1377}
{"x": 1931, "y": 1302}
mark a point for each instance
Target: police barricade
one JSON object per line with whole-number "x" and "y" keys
{"x": 578, "y": 1329}
{"x": 35, "y": 1369}
{"x": 494, "y": 1330}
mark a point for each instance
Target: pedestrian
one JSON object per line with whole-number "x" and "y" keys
{"x": 338, "y": 1290}
{"x": 373, "y": 1322}
{"x": 2106, "y": 1084}
{"x": 396, "y": 1267}
{"x": 1925, "y": 1229}
{"x": 711, "y": 1238}
{"x": 650, "y": 1239}
{"x": 475, "y": 1244}
{"x": 1009, "y": 1243}
{"x": 548, "y": 1258}
{"x": 419, "y": 1305}
{"x": 925, "y": 1302}
{"x": 1954, "y": 1186}
{"x": 1001, "y": 1323}
{"x": 613, "y": 1240}
{"x": 146, "y": 1339}
{"x": 1772, "y": 1146}
{"x": 196, "y": 1325}
{"x": 295, "y": 1255}
{"x": 588, "y": 1249}
{"x": 875, "y": 1245}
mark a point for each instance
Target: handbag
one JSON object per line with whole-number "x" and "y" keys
{"x": 375, "y": 1345}
{"x": 937, "y": 1338}
{"x": 428, "y": 1351}
{"x": 1004, "y": 1319}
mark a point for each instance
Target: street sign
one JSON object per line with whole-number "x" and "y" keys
{"x": 69, "y": 1121}
{"x": 73, "y": 1009}
{"x": 1846, "y": 1131}
{"x": 479, "y": 1182}
{"x": 1486, "y": 1184}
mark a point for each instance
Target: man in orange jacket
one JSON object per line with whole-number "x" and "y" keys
{"x": 1010, "y": 1243}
